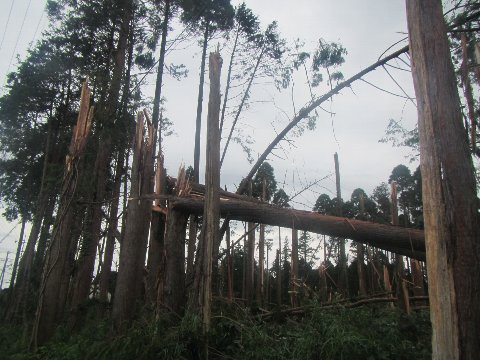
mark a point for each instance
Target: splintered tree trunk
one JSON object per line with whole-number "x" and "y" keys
{"x": 294, "y": 270}
{"x": 211, "y": 212}
{"x": 342, "y": 258}
{"x": 91, "y": 238}
{"x": 55, "y": 275}
{"x": 157, "y": 227}
{"x": 403, "y": 301}
{"x": 134, "y": 246}
{"x": 452, "y": 229}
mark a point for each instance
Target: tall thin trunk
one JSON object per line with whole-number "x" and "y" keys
{"x": 17, "y": 254}
{"x": 261, "y": 255}
{"x": 360, "y": 255}
{"x": 250, "y": 266}
{"x": 242, "y": 103}
{"x": 111, "y": 230}
{"x": 211, "y": 210}
{"x": 229, "y": 77}
{"x": 198, "y": 121}
{"x": 342, "y": 258}
{"x": 452, "y": 228}
{"x": 403, "y": 301}
{"x": 279, "y": 269}
{"x": 294, "y": 270}
{"x": 467, "y": 90}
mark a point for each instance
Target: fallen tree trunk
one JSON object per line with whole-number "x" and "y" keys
{"x": 404, "y": 241}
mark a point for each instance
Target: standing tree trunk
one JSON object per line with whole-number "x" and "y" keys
{"x": 360, "y": 255}
{"x": 467, "y": 90}
{"x": 294, "y": 270}
{"x": 342, "y": 258}
{"x": 211, "y": 212}
{"x": 279, "y": 269}
{"x": 157, "y": 227}
{"x": 401, "y": 291}
{"x": 261, "y": 255}
{"x": 111, "y": 230}
{"x": 17, "y": 255}
{"x": 452, "y": 229}
{"x": 198, "y": 120}
{"x": 134, "y": 246}
{"x": 250, "y": 264}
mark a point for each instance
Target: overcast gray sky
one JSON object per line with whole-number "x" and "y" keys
{"x": 364, "y": 28}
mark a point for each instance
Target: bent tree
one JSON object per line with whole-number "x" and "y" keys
{"x": 452, "y": 230}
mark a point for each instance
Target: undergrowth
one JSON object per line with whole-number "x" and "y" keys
{"x": 374, "y": 332}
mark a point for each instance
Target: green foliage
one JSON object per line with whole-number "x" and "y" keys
{"x": 375, "y": 332}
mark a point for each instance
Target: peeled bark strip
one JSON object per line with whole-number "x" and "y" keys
{"x": 452, "y": 229}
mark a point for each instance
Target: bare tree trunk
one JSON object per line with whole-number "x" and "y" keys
{"x": 198, "y": 121}
{"x": 467, "y": 90}
{"x": 403, "y": 301}
{"x": 229, "y": 268}
{"x": 342, "y": 258}
{"x": 174, "y": 291}
{"x": 112, "y": 229}
{"x": 211, "y": 212}
{"x": 261, "y": 255}
{"x": 134, "y": 246}
{"x": 279, "y": 269}
{"x": 250, "y": 266}
{"x": 452, "y": 229}
{"x": 361, "y": 256}
{"x": 17, "y": 255}
{"x": 294, "y": 270}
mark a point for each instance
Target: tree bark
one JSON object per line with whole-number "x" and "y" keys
{"x": 91, "y": 238}
{"x": 134, "y": 246}
{"x": 361, "y": 256}
{"x": 211, "y": 210}
{"x": 174, "y": 291}
{"x": 467, "y": 90}
{"x": 294, "y": 269}
{"x": 198, "y": 121}
{"x": 157, "y": 227}
{"x": 342, "y": 258}
{"x": 404, "y": 241}
{"x": 452, "y": 229}
{"x": 51, "y": 303}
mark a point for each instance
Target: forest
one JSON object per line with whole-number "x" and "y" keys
{"x": 121, "y": 256}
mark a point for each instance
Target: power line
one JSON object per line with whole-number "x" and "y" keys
{"x": 18, "y": 37}
{"x": 6, "y": 24}
{"x": 1, "y": 240}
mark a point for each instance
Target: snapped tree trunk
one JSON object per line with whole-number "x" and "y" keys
{"x": 452, "y": 229}
{"x": 134, "y": 246}
{"x": 91, "y": 238}
{"x": 157, "y": 227}
{"x": 51, "y": 301}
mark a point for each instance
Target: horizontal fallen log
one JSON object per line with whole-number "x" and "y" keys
{"x": 400, "y": 240}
